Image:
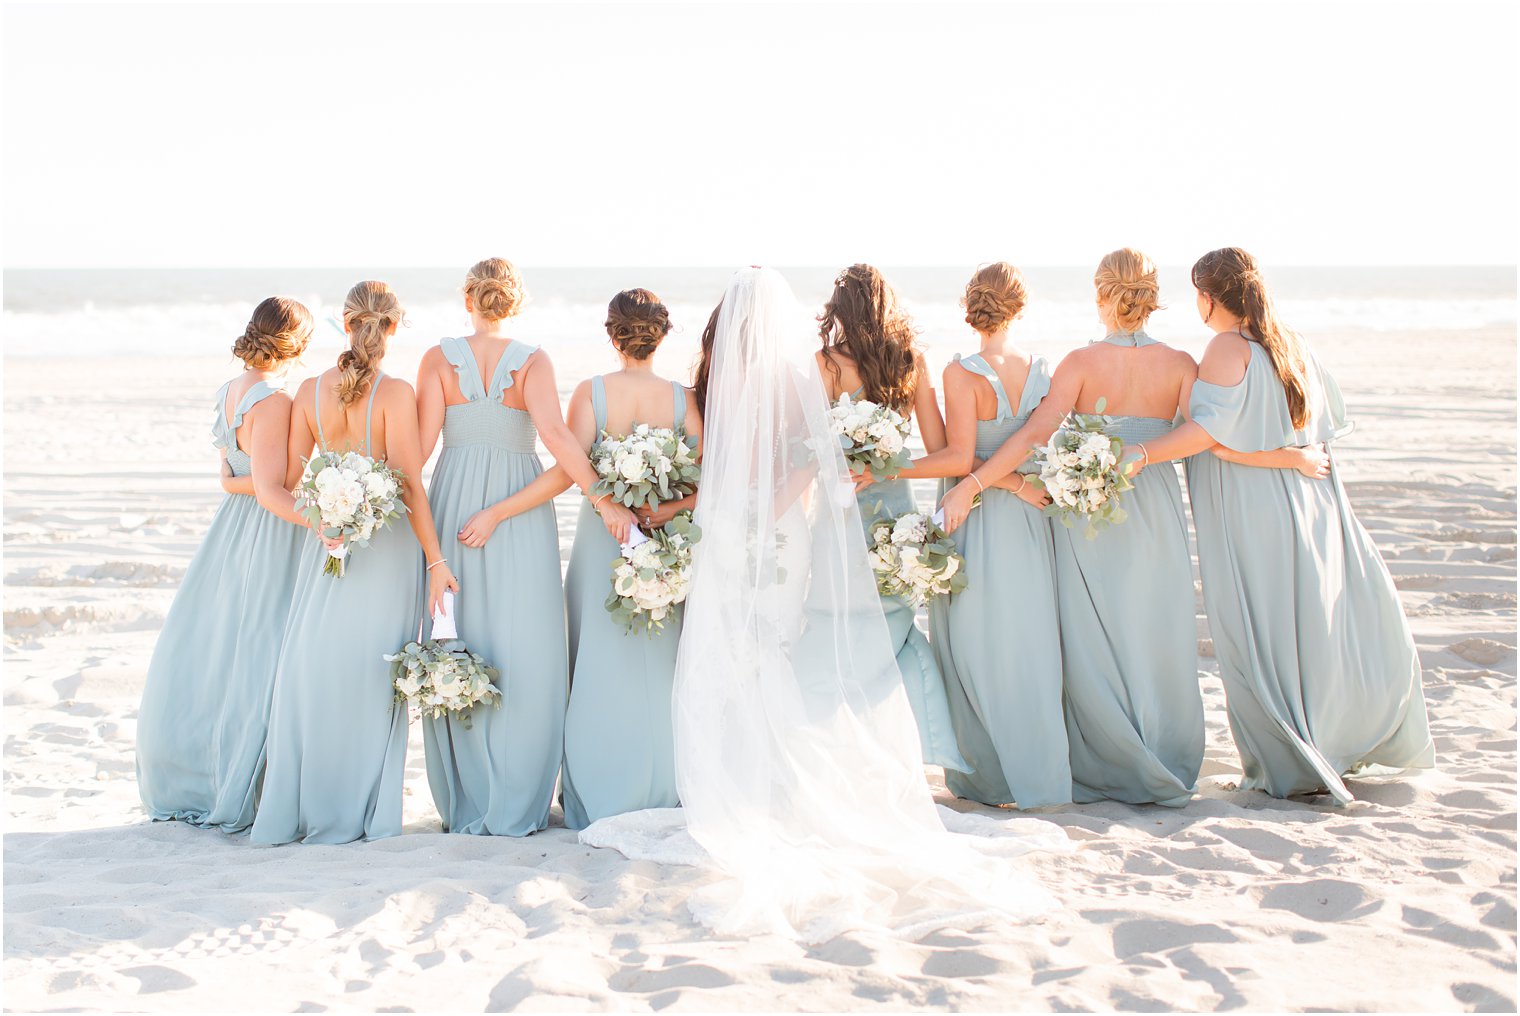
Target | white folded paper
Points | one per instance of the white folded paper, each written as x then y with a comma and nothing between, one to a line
635,537
443,619
938,518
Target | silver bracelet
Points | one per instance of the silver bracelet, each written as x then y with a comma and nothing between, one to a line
435,564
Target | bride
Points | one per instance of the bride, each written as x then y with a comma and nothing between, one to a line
797,757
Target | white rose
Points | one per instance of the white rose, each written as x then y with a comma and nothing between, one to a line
374,485
891,442
328,478
630,467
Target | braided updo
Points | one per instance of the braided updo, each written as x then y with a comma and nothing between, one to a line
994,296
1126,282
495,287
371,313
637,322
277,333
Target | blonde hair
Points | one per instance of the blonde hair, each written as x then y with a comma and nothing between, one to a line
495,288
279,330
1126,283
994,296
1229,276
370,313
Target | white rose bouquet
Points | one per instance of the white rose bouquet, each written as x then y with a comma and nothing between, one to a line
915,559
650,465
348,495
441,676
1080,469
650,577
873,437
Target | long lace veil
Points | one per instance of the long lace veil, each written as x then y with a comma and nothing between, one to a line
797,757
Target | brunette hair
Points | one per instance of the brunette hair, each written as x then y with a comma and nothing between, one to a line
1230,277
1126,283
864,321
704,360
994,296
495,287
637,322
279,330
370,313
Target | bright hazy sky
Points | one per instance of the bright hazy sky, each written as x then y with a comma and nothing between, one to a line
1309,133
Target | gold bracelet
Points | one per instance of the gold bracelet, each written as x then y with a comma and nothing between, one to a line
435,564
1025,478
1145,455
979,485
596,503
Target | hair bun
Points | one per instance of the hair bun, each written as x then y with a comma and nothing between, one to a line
637,322
995,296
1126,283
495,288
278,331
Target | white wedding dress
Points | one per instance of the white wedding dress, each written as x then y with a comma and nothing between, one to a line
797,757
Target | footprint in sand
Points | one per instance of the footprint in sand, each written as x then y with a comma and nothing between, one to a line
1483,652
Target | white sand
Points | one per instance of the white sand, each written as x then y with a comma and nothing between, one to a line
1404,900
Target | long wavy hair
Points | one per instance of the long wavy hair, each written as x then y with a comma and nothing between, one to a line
704,360
1230,277
864,321
370,313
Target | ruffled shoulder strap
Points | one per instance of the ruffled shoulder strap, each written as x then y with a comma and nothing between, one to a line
457,351
976,365
221,434
224,431
511,361
1036,385
1252,415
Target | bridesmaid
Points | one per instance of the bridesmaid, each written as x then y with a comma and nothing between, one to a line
497,776
870,351
205,707
337,741
619,743
1320,670
998,641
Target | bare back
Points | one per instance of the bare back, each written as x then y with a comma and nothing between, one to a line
1149,380
634,398
359,426
488,353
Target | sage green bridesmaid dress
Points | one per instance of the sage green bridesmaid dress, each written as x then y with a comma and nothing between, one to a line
496,776
337,740
1134,714
998,641
1320,670
205,705
619,738
921,676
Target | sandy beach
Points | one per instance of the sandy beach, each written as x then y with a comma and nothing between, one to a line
1404,900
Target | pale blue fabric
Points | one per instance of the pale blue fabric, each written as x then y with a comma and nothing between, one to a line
497,777
998,641
915,659
337,740
619,738
1134,715
1320,670
205,707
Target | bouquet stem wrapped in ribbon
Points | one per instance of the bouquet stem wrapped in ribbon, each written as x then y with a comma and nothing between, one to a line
441,676
348,495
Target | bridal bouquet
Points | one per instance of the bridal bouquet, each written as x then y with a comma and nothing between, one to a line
650,465
1081,471
873,437
349,495
440,675
651,575
915,559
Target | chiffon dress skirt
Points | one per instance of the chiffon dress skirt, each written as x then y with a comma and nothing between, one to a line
205,709
619,735
337,739
497,775
998,641
1319,667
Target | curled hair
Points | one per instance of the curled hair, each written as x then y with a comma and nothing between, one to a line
1126,282
1229,276
637,322
864,321
704,360
994,296
279,330
495,288
370,313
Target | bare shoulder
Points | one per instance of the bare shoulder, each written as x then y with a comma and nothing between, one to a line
957,376
1226,359
395,391
433,361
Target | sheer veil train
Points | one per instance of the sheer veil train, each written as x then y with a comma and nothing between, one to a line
797,758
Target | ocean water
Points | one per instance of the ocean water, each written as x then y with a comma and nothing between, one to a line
198,312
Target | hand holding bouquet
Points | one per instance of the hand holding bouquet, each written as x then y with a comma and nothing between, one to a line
348,496
873,437
650,577
650,465
913,558
1081,469
440,675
